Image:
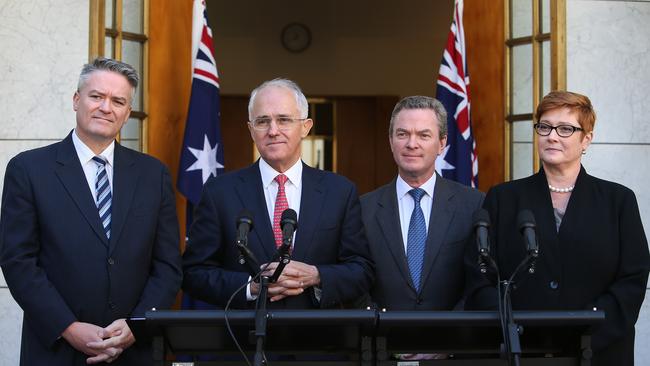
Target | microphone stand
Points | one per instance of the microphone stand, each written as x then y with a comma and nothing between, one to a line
512,343
261,314
261,317
283,256
512,346
247,258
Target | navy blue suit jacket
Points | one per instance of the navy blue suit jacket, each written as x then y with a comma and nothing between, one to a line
450,225
329,236
57,261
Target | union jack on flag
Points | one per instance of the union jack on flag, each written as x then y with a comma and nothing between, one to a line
202,151
458,161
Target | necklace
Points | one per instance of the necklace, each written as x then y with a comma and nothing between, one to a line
561,190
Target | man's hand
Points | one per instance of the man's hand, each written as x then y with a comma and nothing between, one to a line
295,278
115,339
79,334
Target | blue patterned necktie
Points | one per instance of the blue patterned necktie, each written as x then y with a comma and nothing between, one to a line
104,197
417,237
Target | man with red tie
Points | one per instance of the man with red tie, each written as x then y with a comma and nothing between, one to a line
330,265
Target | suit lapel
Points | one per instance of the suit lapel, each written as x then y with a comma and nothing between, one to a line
312,199
125,182
73,179
439,220
251,193
389,223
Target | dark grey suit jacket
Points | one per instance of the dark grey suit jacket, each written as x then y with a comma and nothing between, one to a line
449,227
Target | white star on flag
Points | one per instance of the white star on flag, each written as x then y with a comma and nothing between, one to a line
206,160
441,163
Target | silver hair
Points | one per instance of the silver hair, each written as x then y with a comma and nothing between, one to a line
421,102
301,100
108,64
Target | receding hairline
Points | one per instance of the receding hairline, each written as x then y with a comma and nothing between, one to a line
127,71
281,83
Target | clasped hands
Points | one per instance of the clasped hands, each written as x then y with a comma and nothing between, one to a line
294,279
102,344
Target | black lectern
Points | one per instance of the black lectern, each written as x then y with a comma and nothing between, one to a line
474,338
369,337
346,335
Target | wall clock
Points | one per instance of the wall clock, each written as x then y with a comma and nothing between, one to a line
296,37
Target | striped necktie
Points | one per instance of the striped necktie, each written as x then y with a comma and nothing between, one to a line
417,237
103,194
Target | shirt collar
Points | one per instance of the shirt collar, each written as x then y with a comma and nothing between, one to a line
85,154
403,188
268,173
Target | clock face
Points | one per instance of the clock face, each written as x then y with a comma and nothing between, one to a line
296,37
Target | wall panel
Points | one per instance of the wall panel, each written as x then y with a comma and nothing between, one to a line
484,37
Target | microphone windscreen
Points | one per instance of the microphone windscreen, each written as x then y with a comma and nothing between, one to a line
245,216
481,217
525,218
289,216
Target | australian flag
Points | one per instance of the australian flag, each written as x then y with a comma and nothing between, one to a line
202,152
459,161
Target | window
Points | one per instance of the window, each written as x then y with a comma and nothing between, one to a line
318,146
535,65
119,30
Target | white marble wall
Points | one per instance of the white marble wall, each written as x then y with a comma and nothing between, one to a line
608,59
44,43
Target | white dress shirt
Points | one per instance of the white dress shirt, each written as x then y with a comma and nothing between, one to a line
89,166
405,203
292,189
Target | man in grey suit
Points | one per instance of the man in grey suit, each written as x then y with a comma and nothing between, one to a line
418,224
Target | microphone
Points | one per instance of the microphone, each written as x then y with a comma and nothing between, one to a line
244,224
481,220
526,225
289,224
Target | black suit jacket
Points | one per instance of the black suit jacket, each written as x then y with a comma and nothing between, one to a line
57,261
329,236
599,258
450,225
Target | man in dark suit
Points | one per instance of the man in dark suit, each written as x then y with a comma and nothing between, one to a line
418,224
330,264
89,235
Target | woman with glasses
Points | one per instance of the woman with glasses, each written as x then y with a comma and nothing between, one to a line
593,251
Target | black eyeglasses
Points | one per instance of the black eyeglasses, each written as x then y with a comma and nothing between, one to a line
543,129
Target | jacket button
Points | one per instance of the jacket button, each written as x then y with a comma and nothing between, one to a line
419,301
553,285
111,261
112,305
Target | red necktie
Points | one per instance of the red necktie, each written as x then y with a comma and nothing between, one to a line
281,204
